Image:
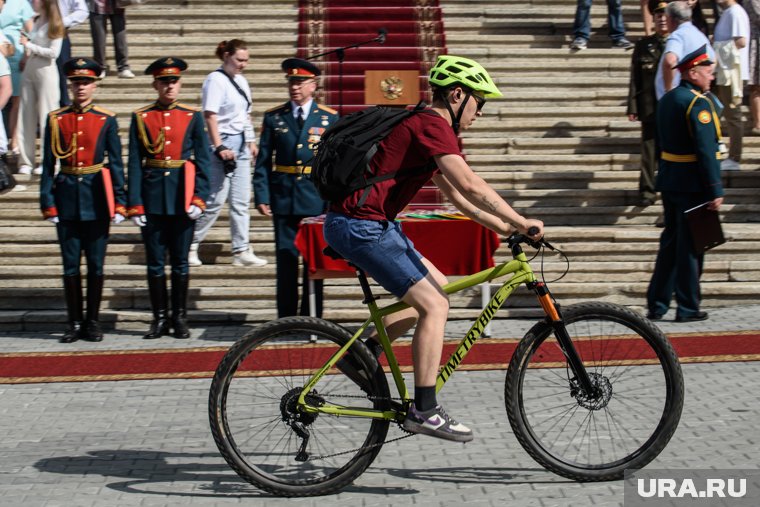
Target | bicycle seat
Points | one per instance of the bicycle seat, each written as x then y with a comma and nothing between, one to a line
328,251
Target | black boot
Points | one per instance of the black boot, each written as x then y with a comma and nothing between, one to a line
91,330
179,305
72,290
158,302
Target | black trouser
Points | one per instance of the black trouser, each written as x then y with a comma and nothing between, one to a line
649,160
64,57
287,255
90,236
678,266
172,232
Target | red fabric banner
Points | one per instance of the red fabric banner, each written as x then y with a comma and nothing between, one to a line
456,247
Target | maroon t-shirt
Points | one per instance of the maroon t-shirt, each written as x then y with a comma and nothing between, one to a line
412,144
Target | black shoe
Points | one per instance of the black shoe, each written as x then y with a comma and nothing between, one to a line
73,334
692,318
646,202
158,328
92,332
181,330
653,316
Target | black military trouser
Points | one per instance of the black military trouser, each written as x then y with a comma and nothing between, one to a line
678,266
90,236
172,232
287,255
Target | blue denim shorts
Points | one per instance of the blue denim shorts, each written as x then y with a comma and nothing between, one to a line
379,248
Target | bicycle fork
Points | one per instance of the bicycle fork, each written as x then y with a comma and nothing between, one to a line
553,312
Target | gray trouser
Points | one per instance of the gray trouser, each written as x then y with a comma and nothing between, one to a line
98,29
237,187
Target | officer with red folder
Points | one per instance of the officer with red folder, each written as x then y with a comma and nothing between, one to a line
85,195
167,190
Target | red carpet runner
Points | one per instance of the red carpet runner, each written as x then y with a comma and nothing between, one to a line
489,354
414,40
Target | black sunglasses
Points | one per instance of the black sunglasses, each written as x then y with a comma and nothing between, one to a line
480,100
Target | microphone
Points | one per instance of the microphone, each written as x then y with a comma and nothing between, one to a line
381,35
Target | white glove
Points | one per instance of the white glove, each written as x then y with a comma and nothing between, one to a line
194,212
117,218
53,220
139,220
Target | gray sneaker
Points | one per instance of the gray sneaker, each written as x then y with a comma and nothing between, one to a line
579,43
436,423
622,43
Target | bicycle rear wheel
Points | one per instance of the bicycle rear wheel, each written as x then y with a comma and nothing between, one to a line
260,431
630,418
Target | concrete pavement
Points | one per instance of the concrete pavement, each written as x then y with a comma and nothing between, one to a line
136,443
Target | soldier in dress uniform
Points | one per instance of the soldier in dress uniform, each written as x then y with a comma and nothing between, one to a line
167,190
689,175
86,193
282,187
642,99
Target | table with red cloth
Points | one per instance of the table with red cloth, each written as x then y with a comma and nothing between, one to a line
456,246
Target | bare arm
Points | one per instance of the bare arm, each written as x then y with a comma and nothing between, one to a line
476,195
213,132
668,72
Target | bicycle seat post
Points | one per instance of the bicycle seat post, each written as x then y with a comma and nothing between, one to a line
368,296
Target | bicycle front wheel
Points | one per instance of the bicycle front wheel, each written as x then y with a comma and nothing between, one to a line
259,428
625,423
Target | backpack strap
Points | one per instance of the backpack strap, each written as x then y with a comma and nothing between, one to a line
237,87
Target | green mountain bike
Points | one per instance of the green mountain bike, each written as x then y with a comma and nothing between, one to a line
591,390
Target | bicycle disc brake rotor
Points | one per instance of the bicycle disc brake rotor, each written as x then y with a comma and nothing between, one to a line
600,395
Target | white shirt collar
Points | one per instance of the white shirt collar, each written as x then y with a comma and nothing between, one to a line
306,108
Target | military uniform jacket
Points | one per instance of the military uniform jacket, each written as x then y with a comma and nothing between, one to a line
644,61
161,140
688,130
284,183
84,189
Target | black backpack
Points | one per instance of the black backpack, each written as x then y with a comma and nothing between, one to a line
341,163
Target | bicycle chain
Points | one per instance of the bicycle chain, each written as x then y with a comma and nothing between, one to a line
371,398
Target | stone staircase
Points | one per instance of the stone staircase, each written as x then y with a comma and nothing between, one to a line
558,147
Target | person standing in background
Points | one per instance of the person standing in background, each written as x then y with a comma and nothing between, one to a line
642,100
73,12
40,88
684,38
85,194
167,190
688,130
15,17
102,12
283,189
731,39
227,110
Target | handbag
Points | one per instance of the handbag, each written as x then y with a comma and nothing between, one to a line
7,181
126,3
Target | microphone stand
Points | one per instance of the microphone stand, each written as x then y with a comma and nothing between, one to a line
341,55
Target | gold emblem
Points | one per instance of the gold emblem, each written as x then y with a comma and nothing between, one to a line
81,63
704,117
169,61
392,87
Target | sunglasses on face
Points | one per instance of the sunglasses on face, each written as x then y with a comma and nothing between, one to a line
480,100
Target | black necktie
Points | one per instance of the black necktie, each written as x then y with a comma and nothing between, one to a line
299,120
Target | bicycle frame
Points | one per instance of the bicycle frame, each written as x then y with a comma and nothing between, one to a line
521,272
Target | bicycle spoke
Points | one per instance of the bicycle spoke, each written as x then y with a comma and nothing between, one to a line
615,422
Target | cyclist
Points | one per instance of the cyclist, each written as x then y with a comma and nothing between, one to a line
368,236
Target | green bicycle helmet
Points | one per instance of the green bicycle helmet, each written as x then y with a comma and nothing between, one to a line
451,70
